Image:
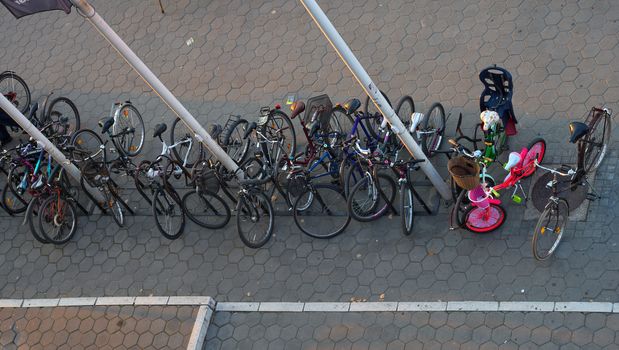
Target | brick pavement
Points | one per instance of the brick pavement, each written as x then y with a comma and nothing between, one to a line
97,327
413,330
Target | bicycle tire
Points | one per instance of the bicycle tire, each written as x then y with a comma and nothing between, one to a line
593,161
209,211
278,120
403,113
86,144
326,210
49,215
166,207
32,216
433,121
248,212
536,149
475,218
55,110
179,132
233,142
134,121
350,174
22,105
407,212
345,121
13,201
377,203
140,180
114,205
551,215
369,108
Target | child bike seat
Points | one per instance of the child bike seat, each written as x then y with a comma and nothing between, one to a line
352,105
512,161
497,95
160,129
577,131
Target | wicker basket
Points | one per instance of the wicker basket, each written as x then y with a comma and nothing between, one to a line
465,172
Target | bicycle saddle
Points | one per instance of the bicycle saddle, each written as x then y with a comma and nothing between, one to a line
297,108
106,124
352,105
577,131
513,160
160,129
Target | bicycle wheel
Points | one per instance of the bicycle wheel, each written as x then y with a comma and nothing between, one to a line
324,213
168,213
279,127
32,217
537,150
16,89
254,219
351,172
549,229
407,214
484,220
64,117
181,132
57,219
371,197
129,124
86,145
404,110
206,209
596,143
433,129
345,121
15,196
113,203
370,109
233,142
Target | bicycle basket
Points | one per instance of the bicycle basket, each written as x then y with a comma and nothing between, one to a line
465,172
206,178
297,184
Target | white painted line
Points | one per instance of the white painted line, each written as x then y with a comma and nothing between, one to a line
472,306
525,306
429,306
77,301
151,300
200,326
237,307
40,302
374,306
577,306
111,301
190,300
616,308
281,307
326,307
10,303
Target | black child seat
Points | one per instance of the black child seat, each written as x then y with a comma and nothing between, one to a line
497,96
577,131
160,129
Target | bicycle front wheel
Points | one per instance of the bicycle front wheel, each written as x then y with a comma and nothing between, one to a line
168,213
596,143
405,109
63,115
321,212
537,150
181,132
235,145
484,220
206,209
15,196
433,129
407,213
57,219
86,145
549,229
254,219
279,128
32,216
130,126
371,197
370,109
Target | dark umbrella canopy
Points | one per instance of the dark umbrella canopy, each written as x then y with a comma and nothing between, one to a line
21,8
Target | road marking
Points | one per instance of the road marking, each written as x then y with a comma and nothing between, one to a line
326,307
200,326
431,306
472,306
584,307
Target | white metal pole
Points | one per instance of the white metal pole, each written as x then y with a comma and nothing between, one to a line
342,49
49,147
87,11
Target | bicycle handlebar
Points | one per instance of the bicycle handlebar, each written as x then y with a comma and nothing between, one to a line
570,172
255,182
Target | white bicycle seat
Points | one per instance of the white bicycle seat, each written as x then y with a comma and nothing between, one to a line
514,158
416,119
489,119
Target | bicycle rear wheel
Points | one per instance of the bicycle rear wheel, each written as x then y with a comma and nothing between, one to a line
181,132
15,198
16,88
168,213
324,213
433,129
206,209
405,109
233,142
32,217
407,213
371,197
86,145
596,143
484,220
549,229
537,150
63,113
254,219
345,121
370,109
57,219
130,125
279,127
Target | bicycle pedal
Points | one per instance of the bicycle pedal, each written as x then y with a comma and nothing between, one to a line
591,196
517,199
